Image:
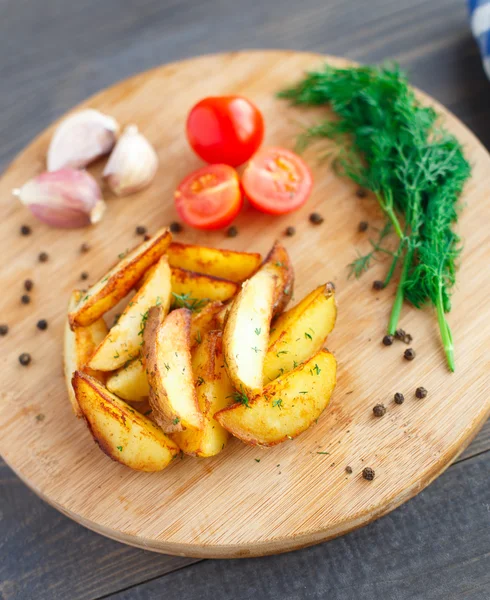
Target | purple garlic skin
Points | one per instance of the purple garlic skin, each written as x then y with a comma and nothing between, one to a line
67,198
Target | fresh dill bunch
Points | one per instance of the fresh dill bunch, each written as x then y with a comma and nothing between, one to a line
390,144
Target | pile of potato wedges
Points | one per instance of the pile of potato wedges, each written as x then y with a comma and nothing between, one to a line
203,349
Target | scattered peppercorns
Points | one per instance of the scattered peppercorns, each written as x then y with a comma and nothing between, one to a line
146,237
28,285
409,354
290,231
379,410
378,284
84,275
43,257
361,193
175,227
84,248
368,473
42,324
362,227
25,230
141,230
25,298
316,218
348,470
40,417
232,231
399,398
4,329
388,340
420,393
403,336
24,359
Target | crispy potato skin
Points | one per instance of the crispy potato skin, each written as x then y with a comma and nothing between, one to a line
246,333
121,432
204,321
214,392
300,332
166,349
130,382
123,342
283,411
79,345
279,263
227,264
203,287
119,281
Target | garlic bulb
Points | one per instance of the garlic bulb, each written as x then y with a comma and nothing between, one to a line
80,139
132,164
66,198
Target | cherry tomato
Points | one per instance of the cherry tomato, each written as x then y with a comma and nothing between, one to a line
277,181
225,129
209,198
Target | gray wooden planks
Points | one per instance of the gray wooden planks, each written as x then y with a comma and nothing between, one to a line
54,54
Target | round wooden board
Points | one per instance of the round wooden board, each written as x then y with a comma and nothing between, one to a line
233,505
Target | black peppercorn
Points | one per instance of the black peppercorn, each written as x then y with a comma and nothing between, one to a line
403,336
146,237
378,285
141,230
25,230
290,231
388,340
362,227
85,247
399,398
84,275
42,324
24,359
379,410
421,392
232,231
25,298
43,257
175,227
368,473
361,193
4,329
348,469
28,285
316,218
409,354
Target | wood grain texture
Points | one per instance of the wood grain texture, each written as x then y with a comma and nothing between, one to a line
208,508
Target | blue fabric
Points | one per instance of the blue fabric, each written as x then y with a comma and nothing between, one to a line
480,26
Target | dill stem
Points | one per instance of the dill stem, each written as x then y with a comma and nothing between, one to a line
394,262
398,303
446,335
394,219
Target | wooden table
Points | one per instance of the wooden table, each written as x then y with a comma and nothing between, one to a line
54,54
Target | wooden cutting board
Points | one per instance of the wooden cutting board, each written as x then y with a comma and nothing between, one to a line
299,493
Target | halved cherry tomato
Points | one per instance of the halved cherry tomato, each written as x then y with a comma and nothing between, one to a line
277,181
209,198
225,129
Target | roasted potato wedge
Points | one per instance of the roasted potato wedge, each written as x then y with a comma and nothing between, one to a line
130,382
286,407
79,345
123,342
300,332
121,432
204,321
200,287
279,264
119,281
167,357
246,333
227,264
214,392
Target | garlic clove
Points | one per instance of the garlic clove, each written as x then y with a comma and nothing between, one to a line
132,164
67,198
80,139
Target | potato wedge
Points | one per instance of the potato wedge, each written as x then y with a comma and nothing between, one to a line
130,382
214,392
119,281
286,407
123,342
246,333
227,264
200,287
204,321
167,354
121,432
79,345
300,332
279,264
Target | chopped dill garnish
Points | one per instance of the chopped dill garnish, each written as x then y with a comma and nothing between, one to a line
187,301
240,396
